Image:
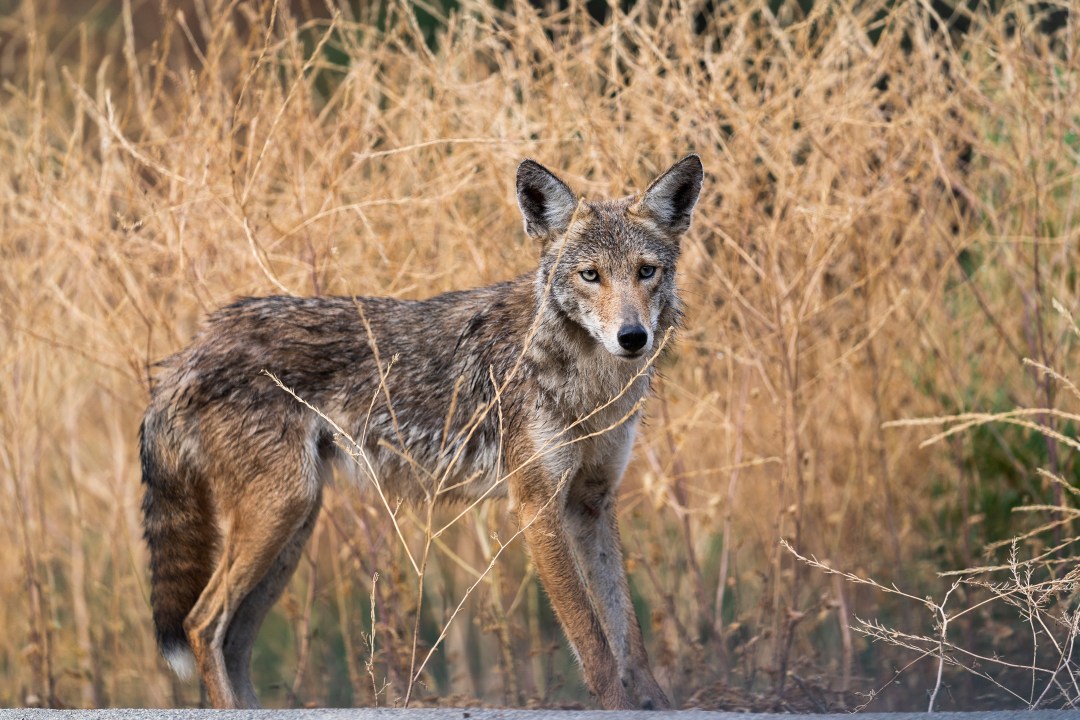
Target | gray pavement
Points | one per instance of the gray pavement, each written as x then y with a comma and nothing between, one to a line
494,714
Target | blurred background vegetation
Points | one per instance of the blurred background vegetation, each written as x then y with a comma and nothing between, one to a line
888,230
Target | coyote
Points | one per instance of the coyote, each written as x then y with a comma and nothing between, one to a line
530,389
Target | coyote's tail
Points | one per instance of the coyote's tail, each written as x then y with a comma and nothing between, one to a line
180,531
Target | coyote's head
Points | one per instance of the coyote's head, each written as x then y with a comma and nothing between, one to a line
611,263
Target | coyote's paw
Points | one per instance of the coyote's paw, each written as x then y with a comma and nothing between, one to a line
643,691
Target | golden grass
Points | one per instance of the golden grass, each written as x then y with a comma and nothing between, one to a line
890,210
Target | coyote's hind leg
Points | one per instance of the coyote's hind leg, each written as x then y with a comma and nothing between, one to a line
244,627
263,517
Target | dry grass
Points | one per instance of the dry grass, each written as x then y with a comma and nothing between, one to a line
890,211
1038,591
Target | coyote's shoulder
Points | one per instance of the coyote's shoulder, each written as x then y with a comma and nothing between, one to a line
529,388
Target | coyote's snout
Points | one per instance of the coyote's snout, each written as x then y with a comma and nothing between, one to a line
529,389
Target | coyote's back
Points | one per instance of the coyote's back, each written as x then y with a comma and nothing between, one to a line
529,388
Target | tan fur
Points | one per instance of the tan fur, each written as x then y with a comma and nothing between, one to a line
530,389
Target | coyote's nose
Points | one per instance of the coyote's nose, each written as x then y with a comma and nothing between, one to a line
632,337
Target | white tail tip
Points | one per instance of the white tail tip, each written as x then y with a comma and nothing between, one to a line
181,661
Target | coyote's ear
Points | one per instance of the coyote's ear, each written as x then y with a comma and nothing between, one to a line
546,202
670,199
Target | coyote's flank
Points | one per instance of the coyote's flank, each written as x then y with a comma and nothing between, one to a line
530,389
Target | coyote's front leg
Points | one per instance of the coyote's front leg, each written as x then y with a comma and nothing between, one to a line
542,517
592,519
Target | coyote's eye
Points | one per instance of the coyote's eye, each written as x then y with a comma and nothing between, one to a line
647,271
589,275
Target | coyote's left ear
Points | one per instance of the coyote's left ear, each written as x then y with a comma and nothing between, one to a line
671,198
546,202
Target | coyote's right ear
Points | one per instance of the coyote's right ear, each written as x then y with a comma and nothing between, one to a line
671,198
546,202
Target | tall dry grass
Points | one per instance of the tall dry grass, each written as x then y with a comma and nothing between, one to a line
890,211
